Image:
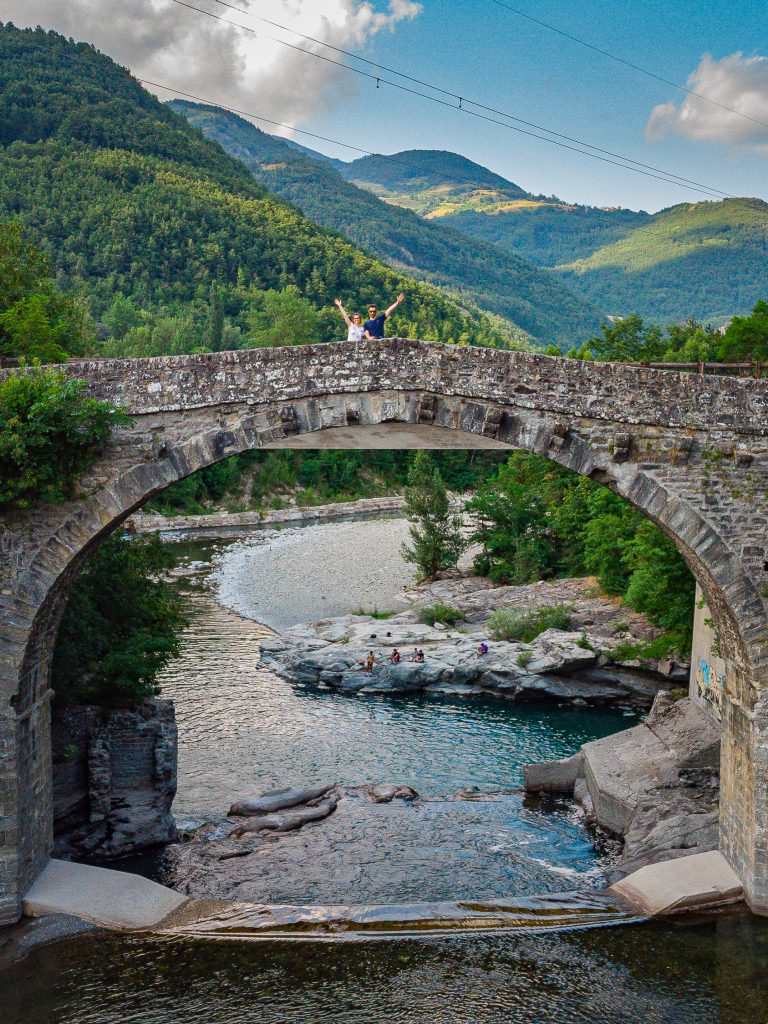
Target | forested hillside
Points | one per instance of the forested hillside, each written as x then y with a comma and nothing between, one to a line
172,243
505,284
708,260
705,260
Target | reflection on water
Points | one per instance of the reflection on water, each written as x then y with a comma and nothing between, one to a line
242,729
702,973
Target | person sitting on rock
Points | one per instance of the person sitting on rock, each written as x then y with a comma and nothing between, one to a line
420,656
414,656
482,648
395,656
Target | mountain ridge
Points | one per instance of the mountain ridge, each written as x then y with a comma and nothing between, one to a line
706,259
133,205
505,284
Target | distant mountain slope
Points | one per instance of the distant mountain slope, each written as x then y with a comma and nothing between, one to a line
128,199
534,300
706,260
544,231
709,260
429,178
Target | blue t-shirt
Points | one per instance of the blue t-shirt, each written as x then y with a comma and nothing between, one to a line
375,327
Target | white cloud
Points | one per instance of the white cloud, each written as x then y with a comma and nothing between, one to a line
173,45
737,82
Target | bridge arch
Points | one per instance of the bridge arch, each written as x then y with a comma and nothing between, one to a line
670,445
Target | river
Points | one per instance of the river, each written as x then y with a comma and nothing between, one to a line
242,729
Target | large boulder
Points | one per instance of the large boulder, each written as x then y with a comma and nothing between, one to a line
287,820
558,664
277,800
656,785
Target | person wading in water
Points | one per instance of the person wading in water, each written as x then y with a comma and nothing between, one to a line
374,325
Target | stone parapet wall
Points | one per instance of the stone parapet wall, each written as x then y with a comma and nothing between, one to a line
114,779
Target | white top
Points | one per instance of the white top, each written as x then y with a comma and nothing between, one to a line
355,332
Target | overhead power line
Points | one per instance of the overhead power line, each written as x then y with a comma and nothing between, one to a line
598,153
628,64
224,106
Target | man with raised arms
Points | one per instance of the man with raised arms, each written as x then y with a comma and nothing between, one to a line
374,325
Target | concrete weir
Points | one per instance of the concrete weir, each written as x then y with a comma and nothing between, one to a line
112,899
703,881
120,901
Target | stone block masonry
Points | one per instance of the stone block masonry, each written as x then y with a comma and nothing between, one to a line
689,451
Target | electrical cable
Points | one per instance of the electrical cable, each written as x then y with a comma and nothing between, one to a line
258,117
668,176
629,64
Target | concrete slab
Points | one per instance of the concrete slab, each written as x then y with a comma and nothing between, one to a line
701,881
113,899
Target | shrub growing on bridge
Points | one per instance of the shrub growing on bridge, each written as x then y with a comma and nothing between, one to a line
50,433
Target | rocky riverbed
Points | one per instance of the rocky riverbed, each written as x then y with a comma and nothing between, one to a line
386,844
655,786
576,664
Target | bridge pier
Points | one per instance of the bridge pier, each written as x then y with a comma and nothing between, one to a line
689,451
744,796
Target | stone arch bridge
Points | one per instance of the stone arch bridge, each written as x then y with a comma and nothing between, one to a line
689,451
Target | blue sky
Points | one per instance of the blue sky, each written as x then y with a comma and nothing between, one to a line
476,47
473,47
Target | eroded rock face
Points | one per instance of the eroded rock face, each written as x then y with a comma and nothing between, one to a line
114,779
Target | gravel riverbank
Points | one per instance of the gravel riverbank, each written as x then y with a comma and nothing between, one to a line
282,578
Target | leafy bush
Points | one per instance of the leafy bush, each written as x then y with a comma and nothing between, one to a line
524,658
585,643
516,624
429,614
122,624
668,645
50,434
36,320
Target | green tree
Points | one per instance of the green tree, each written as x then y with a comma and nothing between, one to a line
282,317
215,319
536,520
511,525
435,531
629,340
36,320
122,624
747,336
50,434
